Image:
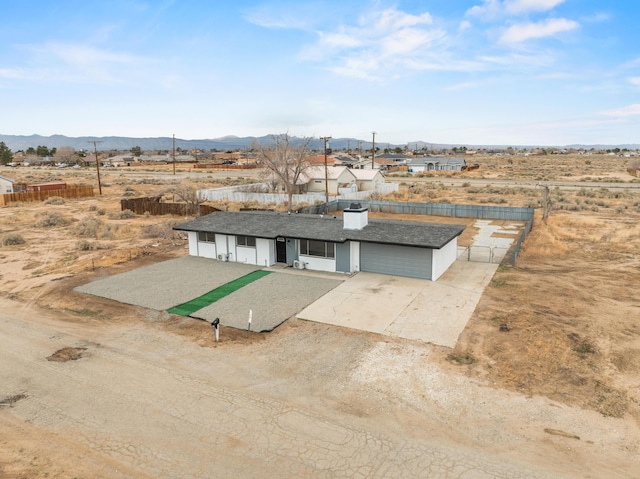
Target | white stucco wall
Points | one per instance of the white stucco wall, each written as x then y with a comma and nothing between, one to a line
245,254
265,252
443,258
221,244
193,243
319,264
206,250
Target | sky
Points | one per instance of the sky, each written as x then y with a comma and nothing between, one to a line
485,72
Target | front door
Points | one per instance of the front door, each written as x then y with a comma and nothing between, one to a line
281,250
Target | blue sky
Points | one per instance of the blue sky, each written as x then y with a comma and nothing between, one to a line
513,72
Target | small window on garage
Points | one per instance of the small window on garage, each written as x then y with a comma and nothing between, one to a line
321,249
206,237
249,241
317,182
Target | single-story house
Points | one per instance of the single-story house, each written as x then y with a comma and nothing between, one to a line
337,177
368,180
6,185
325,242
436,163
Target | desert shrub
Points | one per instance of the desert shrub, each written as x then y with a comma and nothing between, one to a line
123,215
107,232
620,209
128,191
88,226
466,184
50,220
84,245
101,211
93,207
157,231
497,199
54,200
12,239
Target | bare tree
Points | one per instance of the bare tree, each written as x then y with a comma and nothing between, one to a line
283,163
189,195
65,154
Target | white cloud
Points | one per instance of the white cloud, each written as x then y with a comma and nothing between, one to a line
11,73
493,9
82,55
521,32
388,41
625,111
634,81
522,6
464,25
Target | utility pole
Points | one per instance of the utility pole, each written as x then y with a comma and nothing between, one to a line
326,170
174,154
373,149
95,150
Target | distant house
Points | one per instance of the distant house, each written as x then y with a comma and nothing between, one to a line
6,185
395,158
367,180
326,243
337,177
436,163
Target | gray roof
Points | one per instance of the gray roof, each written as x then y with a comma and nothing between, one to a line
324,228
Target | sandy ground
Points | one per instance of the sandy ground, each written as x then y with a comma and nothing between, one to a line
152,395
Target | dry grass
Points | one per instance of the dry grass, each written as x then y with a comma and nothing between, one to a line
571,308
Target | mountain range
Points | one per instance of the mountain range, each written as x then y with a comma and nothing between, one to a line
20,142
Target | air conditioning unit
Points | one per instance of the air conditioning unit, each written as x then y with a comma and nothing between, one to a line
223,257
298,264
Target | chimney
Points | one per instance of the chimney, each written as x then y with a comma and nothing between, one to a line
356,217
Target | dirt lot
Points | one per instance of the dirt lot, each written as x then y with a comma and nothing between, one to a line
570,308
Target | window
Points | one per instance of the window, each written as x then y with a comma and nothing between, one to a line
206,237
317,182
246,241
322,249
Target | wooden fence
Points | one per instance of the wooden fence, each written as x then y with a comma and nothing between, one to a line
153,206
71,191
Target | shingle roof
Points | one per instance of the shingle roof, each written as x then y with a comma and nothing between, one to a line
324,228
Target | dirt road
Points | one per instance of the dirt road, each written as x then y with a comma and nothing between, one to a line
308,401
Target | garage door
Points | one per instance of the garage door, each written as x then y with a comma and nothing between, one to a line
396,260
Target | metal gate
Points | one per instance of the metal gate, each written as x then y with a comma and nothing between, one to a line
395,260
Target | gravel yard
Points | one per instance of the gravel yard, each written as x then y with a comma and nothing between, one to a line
273,299
167,284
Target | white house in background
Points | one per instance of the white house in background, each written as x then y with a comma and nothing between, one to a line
368,180
6,185
337,177
326,243
435,163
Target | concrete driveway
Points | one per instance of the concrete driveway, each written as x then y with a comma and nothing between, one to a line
431,311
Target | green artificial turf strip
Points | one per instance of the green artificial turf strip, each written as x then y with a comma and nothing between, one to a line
185,309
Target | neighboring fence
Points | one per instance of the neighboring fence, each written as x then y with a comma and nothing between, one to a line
248,166
252,192
445,209
153,206
71,191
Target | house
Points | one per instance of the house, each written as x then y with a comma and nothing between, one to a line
368,180
436,163
6,185
326,243
336,177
